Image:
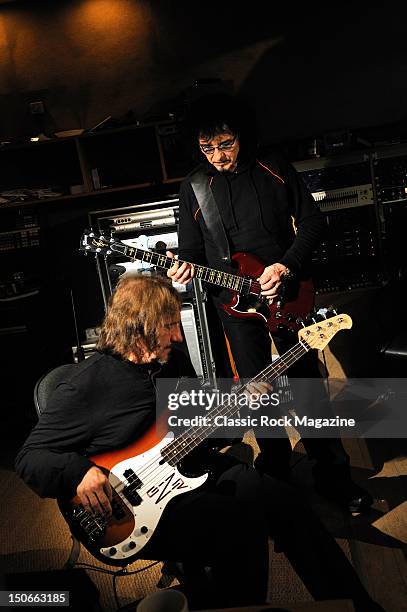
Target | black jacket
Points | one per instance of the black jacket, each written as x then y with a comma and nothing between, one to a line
266,209
105,405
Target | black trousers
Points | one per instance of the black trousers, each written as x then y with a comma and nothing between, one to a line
226,525
251,348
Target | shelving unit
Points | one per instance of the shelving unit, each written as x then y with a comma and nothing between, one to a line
107,161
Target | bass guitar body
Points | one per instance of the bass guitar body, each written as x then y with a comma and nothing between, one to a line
143,483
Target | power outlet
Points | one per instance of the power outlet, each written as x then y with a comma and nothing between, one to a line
37,108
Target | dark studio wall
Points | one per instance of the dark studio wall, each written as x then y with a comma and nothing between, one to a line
308,67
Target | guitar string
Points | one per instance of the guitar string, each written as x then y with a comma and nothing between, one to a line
263,376
288,359
150,476
246,283
146,474
251,285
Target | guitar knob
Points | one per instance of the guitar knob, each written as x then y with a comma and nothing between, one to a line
132,545
112,551
143,529
281,327
278,314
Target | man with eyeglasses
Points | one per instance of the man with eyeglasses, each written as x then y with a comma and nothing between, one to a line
265,210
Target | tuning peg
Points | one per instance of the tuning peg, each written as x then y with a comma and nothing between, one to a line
322,312
300,321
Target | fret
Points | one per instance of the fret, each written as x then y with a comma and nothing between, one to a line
211,275
182,446
199,271
219,277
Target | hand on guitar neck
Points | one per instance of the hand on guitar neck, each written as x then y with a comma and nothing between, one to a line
270,280
255,291
180,273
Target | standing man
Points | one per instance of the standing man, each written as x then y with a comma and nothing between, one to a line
109,401
265,210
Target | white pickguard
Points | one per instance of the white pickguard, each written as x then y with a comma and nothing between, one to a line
161,483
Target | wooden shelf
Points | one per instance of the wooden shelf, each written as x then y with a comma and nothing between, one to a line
124,158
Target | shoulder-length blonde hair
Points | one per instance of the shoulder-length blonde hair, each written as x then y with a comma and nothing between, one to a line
137,308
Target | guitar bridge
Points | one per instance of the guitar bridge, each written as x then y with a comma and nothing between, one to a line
93,526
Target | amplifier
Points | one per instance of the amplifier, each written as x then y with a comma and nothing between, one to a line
20,239
143,220
391,179
196,333
347,197
153,226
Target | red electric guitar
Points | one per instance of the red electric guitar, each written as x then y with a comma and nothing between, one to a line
296,299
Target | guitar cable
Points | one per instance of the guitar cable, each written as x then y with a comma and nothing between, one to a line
116,574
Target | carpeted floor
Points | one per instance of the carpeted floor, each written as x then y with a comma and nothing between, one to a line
35,538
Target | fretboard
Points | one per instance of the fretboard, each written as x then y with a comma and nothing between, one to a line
227,280
179,448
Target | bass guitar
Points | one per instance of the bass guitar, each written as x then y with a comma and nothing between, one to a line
295,301
146,475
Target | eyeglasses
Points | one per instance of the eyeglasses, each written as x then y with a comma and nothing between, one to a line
227,145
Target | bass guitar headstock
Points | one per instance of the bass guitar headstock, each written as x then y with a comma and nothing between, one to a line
326,325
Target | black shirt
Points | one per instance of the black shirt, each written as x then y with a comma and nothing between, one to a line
104,405
266,210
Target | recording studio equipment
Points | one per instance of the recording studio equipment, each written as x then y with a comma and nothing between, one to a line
347,197
20,230
145,220
349,256
152,226
390,170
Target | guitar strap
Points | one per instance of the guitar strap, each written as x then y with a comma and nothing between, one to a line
210,213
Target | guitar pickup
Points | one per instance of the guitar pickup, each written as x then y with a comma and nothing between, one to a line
132,478
130,490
